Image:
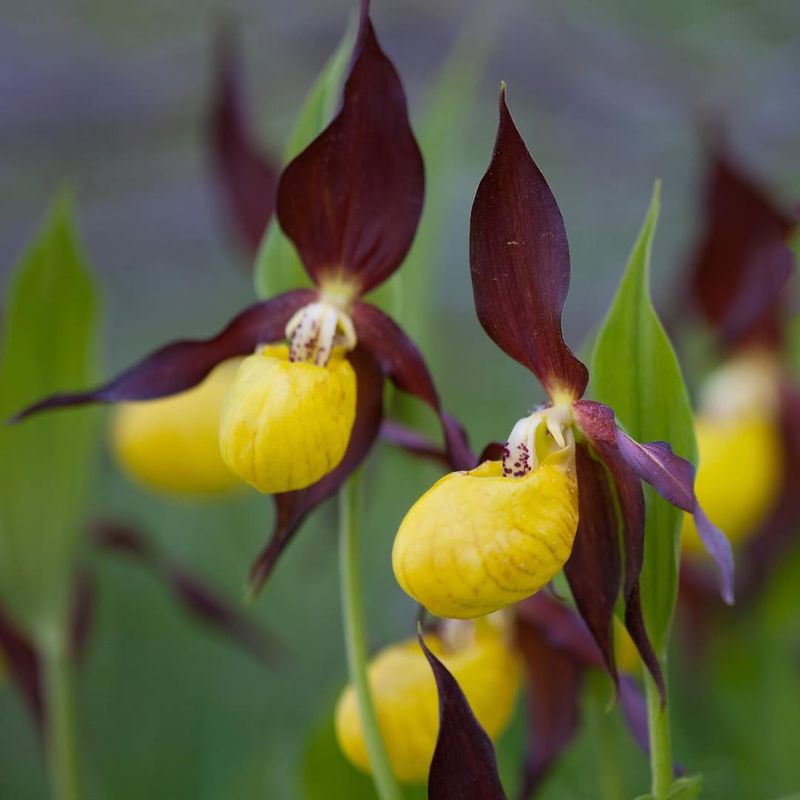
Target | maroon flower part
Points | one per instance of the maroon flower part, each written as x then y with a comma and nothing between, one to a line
741,263
519,262
350,203
246,179
739,280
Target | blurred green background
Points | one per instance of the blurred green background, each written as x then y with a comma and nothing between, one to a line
112,97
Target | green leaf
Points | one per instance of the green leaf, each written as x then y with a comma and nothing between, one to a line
636,372
47,346
278,267
688,788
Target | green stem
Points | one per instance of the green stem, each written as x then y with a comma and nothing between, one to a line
599,724
62,741
355,639
660,745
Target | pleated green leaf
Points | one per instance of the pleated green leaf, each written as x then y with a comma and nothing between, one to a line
48,345
636,372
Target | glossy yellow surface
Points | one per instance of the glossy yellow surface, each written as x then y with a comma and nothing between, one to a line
406,704
738,477
478,541
172,444
625,652
284,425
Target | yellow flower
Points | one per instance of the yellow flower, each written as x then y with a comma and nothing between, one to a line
286,424
481,540
739,474
172,444
404,693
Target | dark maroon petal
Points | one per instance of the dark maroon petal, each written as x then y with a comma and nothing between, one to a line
23,666
630,497
405,438
597,421
193,593
492,452
464,766
519,260
741,262
560,627
594,569
673,478
554,680
293,507
181,365
246,180
352,199
404,365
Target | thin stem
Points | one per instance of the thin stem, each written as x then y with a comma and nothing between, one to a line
660,744
62,741
355,639
599,723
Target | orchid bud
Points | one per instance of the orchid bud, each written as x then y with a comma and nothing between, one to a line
285,424
480,657
481,540
172,444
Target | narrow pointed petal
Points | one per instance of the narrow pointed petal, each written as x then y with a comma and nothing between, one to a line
464,766
193,593
634,711
405,438
181,365
84,604
594,570
246,179
352,199
293,507
630,498
554,684
741,263
673,478
519,260
405,366
23,667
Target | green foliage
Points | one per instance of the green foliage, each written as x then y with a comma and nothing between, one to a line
636,372
47,346
688,788
278,267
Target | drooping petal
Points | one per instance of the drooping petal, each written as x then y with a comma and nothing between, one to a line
630,498
404,365
23,666
411,441
352,199
464,766
556,649
194,594
181,365
246,180
519,260
634,711
741,262
673,478
594,569
293,507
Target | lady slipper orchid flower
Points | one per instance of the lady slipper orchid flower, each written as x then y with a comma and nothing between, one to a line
300,417
483,539
747,434
481,658
172,444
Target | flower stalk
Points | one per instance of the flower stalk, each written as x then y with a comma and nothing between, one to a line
62,738
355,638
659,735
